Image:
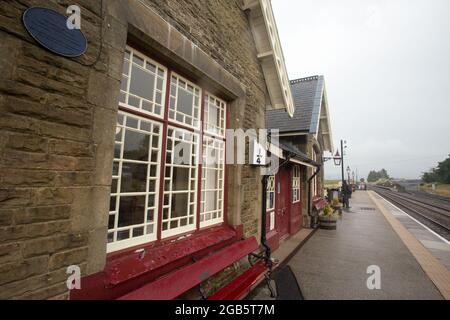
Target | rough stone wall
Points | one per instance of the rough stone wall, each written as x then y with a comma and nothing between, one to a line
57,126
221,29
56,138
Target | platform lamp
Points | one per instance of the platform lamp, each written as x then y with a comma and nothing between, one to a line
337,159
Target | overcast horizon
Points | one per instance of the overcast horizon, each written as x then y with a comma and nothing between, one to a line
386,67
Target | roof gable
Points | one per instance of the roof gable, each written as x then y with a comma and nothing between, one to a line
307,94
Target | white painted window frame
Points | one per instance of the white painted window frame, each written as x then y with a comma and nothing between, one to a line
207,217
217,134
296,197
125,94
196,108
270,189
170,232
211,129
134,241
315,186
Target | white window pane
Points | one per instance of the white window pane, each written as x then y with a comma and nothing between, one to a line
133,193
214,115
136,146
180,179
142,83
134,177
184,102
132,211
180,182
179,205
212,184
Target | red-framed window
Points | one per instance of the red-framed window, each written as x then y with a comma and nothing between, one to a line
169,160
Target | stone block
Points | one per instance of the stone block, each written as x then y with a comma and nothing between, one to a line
67,258
20,270
81,214
53,244
26,178
73,179
103,91
10,252
18,288
31,231
97,250
41,214
46,293
28,143
6,216
8,50
100,207
48,113
10,197
71,148
51,196
115,33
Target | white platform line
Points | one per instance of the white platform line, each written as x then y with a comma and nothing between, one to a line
420,223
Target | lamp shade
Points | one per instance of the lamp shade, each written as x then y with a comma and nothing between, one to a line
337,159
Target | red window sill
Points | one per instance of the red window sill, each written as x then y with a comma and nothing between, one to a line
130,269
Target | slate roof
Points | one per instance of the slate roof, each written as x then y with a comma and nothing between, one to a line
307,94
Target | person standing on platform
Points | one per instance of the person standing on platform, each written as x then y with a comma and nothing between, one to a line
346,193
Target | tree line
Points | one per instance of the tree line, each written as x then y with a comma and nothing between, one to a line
377,175
440,174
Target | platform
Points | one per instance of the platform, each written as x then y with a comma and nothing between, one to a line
333,264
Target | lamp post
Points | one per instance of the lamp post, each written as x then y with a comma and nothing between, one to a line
342,161
348,173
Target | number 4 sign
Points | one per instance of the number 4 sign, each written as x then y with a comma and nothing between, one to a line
257,154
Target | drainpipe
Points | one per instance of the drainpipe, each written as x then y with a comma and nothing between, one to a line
309,193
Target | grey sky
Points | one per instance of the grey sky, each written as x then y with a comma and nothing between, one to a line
386,66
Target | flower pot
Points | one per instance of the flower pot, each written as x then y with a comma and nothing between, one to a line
337,208
328,222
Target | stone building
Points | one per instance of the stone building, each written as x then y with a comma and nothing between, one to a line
86,171
308,132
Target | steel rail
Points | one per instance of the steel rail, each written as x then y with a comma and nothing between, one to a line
444,211
406,204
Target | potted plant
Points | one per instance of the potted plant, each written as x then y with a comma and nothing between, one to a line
328,219
336,205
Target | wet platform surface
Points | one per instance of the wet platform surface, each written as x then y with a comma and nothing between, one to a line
333,264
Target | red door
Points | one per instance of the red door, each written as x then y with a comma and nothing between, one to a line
283,201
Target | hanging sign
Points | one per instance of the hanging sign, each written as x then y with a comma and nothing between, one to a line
258,154
49,28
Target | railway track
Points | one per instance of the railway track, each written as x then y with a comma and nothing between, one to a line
432,213
426,195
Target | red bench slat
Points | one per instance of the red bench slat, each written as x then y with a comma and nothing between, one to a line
178,282
241,286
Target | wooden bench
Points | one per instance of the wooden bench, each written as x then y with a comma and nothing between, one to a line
174,284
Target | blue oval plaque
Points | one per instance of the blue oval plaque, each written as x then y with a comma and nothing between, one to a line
49,28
